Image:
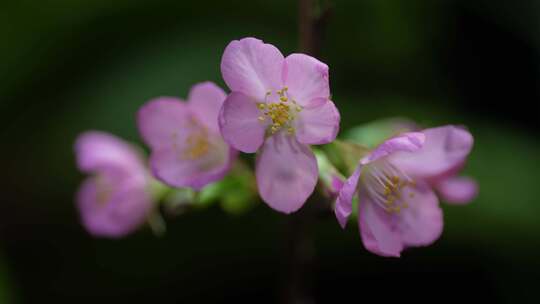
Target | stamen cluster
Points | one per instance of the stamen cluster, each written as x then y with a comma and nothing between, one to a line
197,145
281,114
385,185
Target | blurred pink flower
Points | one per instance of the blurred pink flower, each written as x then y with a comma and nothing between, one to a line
187,147
279,106
115,200
398,207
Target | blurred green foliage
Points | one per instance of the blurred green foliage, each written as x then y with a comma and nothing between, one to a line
6,287
236,193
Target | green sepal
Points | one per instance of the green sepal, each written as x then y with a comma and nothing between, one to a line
236,193
345,155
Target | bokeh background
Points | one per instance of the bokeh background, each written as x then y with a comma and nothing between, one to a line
71,65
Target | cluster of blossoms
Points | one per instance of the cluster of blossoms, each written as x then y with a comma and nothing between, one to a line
278,107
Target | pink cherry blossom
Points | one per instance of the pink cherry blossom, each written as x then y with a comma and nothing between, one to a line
187,147
278,106
114,201
398,207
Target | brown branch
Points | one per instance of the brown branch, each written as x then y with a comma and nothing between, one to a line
311,25
300,243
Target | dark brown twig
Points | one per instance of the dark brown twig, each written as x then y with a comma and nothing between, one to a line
300,243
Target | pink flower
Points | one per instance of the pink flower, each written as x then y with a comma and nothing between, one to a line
187,148
398,207
115,200
279,106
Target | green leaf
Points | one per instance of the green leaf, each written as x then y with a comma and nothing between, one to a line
345,155
374,133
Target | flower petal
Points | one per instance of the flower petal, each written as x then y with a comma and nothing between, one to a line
205,100
457,190
122,213
318,124
239,124
406,143
343,206
336,184
445,149
421,223
162,120
306,78
252,67
99,150
378,229
286,173
174,167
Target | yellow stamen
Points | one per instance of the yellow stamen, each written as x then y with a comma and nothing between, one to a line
282,113
197,143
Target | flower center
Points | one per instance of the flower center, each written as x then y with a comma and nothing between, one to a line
279,114
196,143
104,189
384,184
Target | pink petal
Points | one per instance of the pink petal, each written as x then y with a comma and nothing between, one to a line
405,143
445,149
337,183
378,229
421,223
457,190
174,167
316,125
121,214
205,101
286,173
343,206
239,124
163,120
252,67
98,150
306,78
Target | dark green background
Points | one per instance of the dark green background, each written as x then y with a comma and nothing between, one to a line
71,65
